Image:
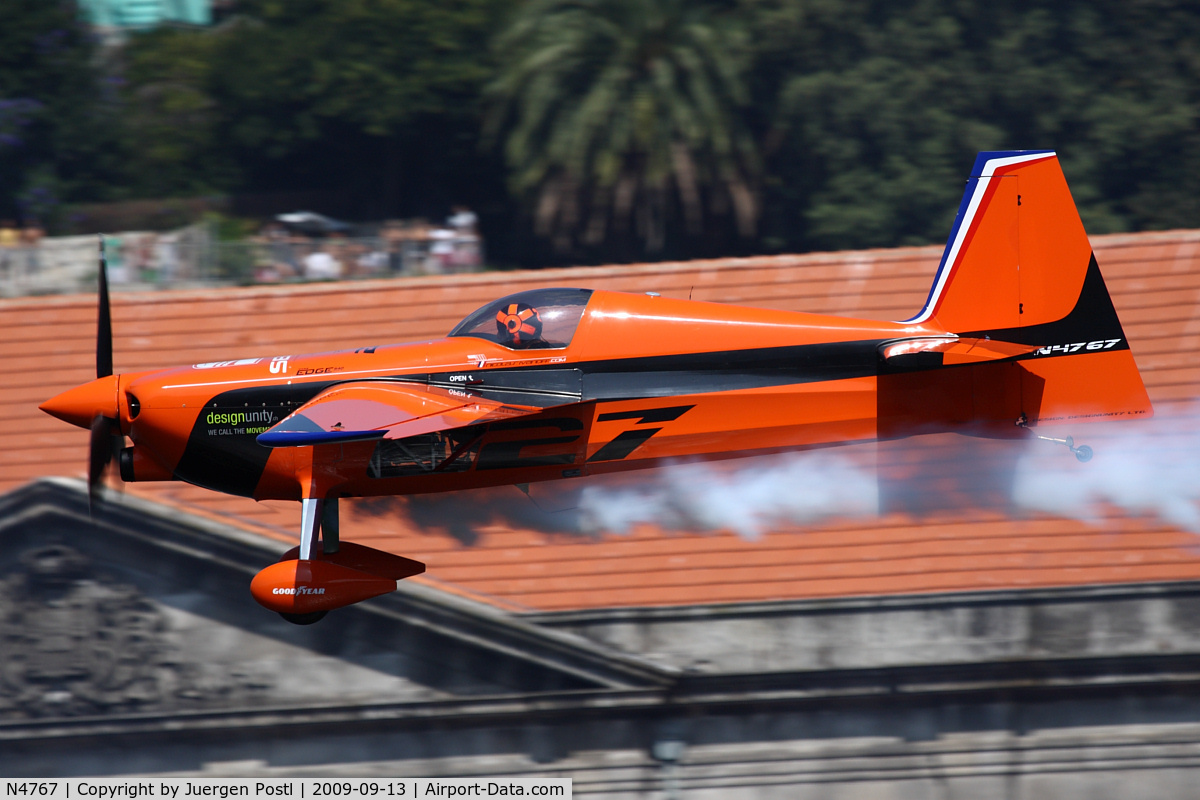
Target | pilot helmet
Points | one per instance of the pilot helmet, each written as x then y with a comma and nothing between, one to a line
518,325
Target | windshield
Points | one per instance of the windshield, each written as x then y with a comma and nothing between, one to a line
540,318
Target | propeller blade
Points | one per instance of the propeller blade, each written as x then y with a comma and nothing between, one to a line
103,446
105,440
104,338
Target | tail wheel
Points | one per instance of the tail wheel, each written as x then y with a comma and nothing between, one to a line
304,619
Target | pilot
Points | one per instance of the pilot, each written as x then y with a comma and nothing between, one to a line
518,325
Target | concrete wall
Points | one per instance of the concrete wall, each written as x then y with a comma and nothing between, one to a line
130,647
969,627
629,746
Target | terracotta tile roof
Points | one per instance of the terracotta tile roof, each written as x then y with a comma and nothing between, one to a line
975,541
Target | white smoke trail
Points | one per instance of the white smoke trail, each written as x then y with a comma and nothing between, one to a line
1144,467
748,498
1148,467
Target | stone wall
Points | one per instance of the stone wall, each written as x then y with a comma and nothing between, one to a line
969,627
131,648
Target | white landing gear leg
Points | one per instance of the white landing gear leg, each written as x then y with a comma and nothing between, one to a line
311,512
311,509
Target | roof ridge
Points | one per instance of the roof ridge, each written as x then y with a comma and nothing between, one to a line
424,606
886,255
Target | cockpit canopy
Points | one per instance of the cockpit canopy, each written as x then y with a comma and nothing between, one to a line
537,319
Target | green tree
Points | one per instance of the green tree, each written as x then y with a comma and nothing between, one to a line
623,120
882,106
375,102
172,114
624,128
58,118
378,97
1115,87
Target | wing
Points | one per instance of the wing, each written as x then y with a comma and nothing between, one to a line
366,410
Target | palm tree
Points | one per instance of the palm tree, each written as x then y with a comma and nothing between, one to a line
617,115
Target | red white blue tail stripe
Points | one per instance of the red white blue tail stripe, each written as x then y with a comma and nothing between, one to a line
988,165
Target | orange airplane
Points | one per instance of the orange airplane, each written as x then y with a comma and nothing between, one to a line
554,384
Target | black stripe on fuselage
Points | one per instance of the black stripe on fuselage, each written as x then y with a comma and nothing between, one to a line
649,415
695,373
624,444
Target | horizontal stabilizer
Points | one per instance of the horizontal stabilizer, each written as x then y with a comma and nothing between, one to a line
368,410
952,349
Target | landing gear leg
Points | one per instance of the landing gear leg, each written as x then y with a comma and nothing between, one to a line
329,526
322,573
312,510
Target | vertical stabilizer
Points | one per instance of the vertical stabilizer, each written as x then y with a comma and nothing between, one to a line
1019,268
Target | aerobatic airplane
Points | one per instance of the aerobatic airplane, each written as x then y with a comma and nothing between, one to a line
551,384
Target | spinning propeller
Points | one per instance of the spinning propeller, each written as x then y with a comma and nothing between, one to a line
106,440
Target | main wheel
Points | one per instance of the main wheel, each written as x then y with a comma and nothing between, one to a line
304,619
1083,453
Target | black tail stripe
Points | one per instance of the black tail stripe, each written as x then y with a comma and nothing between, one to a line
1092,318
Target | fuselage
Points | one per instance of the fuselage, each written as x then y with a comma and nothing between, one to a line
642,379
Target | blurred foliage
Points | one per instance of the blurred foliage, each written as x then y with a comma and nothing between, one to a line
623,118
172,112
883,105
377,99
58,112
600,130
